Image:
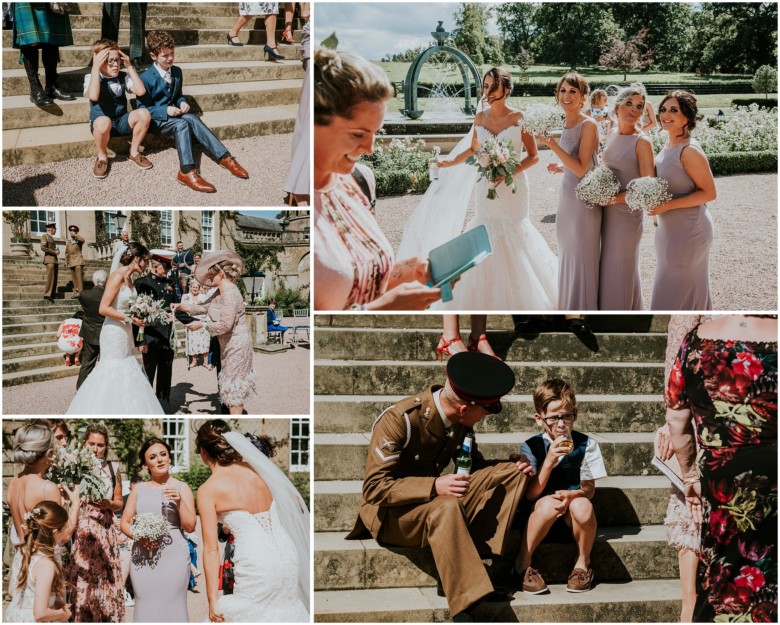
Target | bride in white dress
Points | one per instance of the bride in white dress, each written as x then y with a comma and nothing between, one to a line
118,384
522,272
269,521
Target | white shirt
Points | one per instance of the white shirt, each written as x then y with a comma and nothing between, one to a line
115,85
440,410
165,74
592,467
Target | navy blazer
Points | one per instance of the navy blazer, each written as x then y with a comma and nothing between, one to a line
158,96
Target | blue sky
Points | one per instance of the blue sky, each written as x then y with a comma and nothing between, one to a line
373,29
268,214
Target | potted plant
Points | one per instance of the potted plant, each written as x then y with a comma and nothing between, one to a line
20,232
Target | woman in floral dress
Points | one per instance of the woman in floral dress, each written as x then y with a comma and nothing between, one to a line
95,583
198,341
725,377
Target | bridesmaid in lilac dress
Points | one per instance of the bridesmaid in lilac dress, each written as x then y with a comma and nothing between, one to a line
577,226
685,228
629,154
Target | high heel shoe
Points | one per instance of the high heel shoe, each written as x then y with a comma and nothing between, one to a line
287,36
474,345
272,53
444,346
232,40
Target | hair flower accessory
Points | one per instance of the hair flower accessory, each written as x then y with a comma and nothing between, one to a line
35,512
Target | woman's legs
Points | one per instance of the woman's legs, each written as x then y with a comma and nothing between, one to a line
289,12
450,342
478,331
240,23
270,30
688,561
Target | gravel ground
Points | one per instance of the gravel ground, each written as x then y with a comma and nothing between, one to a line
744,253
71,183
282,379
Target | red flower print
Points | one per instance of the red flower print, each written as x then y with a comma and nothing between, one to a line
750,576
734,599
722,490
675,387
765,612
722,526
755,552
747,365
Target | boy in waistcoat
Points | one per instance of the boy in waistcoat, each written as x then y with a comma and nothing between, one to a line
106,86
562,486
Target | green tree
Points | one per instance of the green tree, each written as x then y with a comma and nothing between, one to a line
523,59
517,25
470,32
627,56
765,80
573,33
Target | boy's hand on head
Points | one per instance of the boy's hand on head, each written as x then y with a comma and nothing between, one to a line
174,111
125,61
99,58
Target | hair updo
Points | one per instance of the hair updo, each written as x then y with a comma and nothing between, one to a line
41,522
230,269
501,79
688,107
342,80
211,439
625,94
134,250
32,442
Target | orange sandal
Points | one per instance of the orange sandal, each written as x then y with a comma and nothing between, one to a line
444,346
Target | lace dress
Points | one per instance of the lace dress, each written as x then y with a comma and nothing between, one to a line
117,384
522,271
731,389
266,571
20,610
228,314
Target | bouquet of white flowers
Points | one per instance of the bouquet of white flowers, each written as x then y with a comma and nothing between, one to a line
148,310
598,187
77,464
149,526
647,192
496,158
542,119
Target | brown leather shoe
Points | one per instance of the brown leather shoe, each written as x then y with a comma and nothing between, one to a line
100,168
231,164
580,580
194,181
140,160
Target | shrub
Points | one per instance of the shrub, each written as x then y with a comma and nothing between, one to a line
765,80
746,129
400,165
302,483
195,475
767,102
287,299
730,163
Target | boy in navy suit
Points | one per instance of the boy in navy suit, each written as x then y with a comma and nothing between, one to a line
106,87
170,114
566,466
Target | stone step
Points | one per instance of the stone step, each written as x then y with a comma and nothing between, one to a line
619,554
30,349
29,328
223,9
71,78
599,323
597,413
46,317
40,375
387,377
79,55
32,306
19,112
181,37
343,456
27,289
22,339
31,146
619,501
632,602
46,308
177,19
396,344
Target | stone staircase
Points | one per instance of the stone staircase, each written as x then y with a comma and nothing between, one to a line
362,364
237,93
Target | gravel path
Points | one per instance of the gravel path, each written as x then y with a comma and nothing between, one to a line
744,254
282,379
71,183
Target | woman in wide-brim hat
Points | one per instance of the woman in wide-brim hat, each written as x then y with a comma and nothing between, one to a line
227,321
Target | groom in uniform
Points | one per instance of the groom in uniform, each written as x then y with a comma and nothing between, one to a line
408,502
158,344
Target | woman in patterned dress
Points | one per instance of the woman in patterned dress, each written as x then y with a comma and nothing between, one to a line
198,341
354,263
725,377
95,588
268,11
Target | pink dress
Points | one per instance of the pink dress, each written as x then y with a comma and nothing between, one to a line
352,256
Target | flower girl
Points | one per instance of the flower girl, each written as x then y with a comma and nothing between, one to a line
40,586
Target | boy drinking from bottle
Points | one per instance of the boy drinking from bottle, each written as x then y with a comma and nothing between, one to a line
566,466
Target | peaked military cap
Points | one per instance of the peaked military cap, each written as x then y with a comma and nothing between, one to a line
478,378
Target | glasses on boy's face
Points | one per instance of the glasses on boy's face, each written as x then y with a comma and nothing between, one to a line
112,61
566,418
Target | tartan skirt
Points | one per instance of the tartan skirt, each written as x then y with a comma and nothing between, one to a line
35,22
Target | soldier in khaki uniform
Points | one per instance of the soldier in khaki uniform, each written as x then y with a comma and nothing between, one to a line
408,502
74,259
50,256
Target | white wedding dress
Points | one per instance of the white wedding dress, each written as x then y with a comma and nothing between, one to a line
266,571
117,384
522,271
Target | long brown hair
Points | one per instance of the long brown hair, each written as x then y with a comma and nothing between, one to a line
41,521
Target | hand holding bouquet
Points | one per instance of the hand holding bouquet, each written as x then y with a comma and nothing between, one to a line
496,160
149,529
541,119
148,310
77,464
599,187
646,193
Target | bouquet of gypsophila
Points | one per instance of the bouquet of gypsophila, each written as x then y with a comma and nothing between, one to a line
149,526
598,187
148,310
542,119
495,159
647,192
77,464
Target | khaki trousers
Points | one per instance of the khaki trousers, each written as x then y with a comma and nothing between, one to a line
461,530
51,279
77,277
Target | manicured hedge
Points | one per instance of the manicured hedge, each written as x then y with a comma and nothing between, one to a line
397,182
729,163
762,102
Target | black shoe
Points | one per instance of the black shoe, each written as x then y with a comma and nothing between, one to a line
578,326
55,93
272,53
39,98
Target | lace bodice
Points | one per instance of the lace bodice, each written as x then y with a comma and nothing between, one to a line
122,299
266,570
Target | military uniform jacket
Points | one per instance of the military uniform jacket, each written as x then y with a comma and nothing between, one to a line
159,289
73,255
49,249
409,449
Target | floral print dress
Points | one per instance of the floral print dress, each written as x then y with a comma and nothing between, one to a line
731,389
